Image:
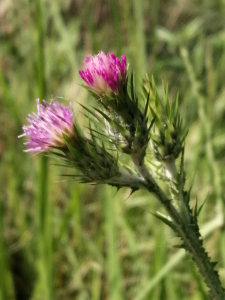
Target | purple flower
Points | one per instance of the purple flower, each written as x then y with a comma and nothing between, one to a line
104,72
47,126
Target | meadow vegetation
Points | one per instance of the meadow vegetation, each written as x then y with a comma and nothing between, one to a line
60,239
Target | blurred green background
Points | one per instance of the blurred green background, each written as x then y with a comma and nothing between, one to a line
63,240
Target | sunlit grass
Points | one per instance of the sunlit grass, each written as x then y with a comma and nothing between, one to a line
63,240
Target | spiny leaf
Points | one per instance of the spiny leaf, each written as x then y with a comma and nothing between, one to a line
132,86
146,106
165,220
177,104
196,210
92,112
214,263
180,246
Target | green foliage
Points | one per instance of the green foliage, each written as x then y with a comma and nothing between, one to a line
89,243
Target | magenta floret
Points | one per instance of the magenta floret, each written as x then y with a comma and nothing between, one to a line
47,126
104,72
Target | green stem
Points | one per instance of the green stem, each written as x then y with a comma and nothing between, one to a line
206,230
4,273
43,203
139,34
193,244
152,186
116,22
189,233
114,276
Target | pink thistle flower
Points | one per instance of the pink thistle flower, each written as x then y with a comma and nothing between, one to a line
47,126
104,72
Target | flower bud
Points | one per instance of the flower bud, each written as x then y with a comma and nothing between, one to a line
167,134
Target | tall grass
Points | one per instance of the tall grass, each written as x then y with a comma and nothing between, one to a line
63,240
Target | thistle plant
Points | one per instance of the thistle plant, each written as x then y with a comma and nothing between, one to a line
139,126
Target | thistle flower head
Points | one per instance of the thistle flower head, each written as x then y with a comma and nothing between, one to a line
47,127
104,72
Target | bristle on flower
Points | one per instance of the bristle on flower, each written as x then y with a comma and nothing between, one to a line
47,127
104,72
